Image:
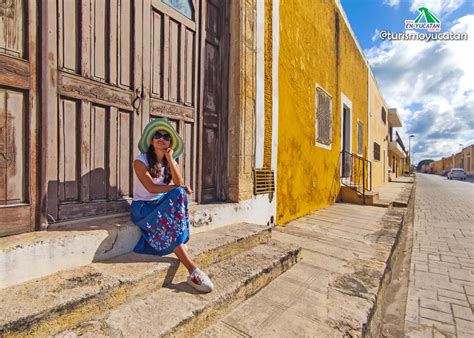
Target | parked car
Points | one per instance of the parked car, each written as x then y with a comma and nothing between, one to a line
457,173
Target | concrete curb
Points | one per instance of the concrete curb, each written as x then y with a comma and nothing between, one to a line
373,328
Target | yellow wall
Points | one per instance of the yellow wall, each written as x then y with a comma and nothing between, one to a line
378,133
308,176
437,166
353,78
399,165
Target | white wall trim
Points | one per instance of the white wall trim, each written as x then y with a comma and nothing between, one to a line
275,63
275,106
369,116
346,102
260,86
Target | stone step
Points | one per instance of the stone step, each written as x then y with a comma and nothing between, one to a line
70,296
123,234
80,242
178,310
349,195
382,204
37,254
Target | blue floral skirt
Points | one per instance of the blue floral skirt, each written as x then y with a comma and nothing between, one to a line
164,223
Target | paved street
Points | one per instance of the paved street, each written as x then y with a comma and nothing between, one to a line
441,287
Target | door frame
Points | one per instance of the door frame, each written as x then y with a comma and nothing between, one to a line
345,102
222,156
22,75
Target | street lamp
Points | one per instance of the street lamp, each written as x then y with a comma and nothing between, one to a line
409,150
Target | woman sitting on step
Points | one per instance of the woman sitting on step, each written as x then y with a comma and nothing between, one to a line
160,209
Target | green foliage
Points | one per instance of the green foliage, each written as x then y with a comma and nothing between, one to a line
422,163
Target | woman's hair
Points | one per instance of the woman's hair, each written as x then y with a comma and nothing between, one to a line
155,167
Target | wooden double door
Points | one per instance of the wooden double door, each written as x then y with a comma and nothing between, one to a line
107,67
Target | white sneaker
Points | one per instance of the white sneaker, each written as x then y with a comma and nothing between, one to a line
200,281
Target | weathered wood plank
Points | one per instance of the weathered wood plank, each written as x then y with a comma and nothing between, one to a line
189,68
113,157
49,110
76,210
68,35
139,68
86,150
100,93
14,220
68,148
113,37
166,58
97,174
16,176
182,62
189,157
174,55
34,159
176,111
12,32
126,23
99,18
222,192
124,153
147,76
200,57
4,158
196,102
86,38
157,65
14,73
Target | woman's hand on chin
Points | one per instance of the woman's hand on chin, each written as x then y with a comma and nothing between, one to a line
169,154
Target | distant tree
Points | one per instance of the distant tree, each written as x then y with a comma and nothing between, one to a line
422,163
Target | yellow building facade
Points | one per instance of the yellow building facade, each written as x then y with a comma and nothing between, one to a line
397,154
378,131
467,159
323,79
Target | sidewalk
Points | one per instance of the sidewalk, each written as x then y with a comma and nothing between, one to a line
396,191
262,287
332,292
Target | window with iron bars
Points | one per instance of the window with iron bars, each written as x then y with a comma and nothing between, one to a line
323,118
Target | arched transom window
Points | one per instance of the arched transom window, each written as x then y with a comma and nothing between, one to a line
185,7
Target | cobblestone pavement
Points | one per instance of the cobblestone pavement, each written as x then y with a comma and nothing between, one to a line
441,286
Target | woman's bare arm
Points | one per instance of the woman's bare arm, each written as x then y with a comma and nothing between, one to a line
146,179
175,172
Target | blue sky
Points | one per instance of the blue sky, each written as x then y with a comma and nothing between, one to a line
431,83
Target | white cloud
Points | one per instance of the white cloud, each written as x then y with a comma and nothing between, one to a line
376,35
431,84
440,8
392,3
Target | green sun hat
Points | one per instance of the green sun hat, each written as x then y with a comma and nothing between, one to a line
161,124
